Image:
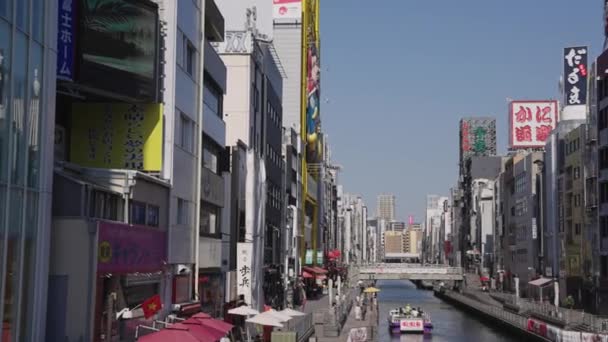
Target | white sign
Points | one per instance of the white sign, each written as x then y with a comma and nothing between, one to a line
411,325
531,123
244,252
357,335
534,228
287,9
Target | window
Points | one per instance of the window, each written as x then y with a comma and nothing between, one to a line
153,215
186,140
212,99
182,211
577,172
138,213
210,219
577,229
190,55
577,200
180,48
210,156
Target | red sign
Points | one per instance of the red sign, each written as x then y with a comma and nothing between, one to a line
539,328
531,123
411,324
466,145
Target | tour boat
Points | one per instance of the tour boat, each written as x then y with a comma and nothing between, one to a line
415,322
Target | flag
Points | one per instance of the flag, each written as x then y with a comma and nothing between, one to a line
151,306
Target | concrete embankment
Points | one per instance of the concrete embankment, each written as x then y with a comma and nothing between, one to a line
495,315
533,329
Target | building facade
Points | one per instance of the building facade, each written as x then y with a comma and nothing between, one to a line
386,207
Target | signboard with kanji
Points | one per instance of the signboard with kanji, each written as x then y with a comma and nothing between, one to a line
531,123
411,325
244,254
575,75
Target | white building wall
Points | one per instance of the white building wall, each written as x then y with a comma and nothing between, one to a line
237,102
288,43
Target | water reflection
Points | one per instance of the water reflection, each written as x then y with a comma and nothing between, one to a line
450,323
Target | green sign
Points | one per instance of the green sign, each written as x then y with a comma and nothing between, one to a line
308,257
319,258
479,144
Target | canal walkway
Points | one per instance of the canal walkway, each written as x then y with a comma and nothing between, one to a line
336,324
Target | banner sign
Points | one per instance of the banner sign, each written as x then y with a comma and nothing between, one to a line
411,325
287,9
575,75
117,136
127,249
65,39
244,254
531,123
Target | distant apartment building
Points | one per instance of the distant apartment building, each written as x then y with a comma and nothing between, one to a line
386,207
412,239
397,226
393,242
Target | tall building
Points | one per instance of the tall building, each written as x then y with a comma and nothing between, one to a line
386,207
602,159
27,114
393,243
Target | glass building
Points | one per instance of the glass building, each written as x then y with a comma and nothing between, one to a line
27,92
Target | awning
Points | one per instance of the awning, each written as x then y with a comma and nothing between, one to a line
483,278
171,334
540,282
200,332
315,269
307,275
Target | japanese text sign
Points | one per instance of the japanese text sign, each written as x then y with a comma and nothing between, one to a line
126,249
531,123
287,9
65,39
575,75
411,325
244,256
117,136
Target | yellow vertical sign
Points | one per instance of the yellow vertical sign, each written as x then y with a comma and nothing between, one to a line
117,136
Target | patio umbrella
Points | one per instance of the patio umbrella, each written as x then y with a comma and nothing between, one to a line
196,327
243,311
371,290
215,324
172,334
266,320
199,332
277,315
201,315
292,312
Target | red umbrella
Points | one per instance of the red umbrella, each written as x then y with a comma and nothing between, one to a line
214,324
197,325
200,333
201,315
171,334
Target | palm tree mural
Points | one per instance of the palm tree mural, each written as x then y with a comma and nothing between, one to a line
119,34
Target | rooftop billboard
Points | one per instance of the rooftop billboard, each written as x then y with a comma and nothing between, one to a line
531,123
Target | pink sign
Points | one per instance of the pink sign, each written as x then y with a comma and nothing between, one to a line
128,249
531,123
411,325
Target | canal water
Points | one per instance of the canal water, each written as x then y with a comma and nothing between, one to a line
450,323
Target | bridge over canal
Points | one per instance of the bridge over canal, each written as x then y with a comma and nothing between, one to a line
393,271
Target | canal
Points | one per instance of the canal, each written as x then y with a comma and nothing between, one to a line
451,324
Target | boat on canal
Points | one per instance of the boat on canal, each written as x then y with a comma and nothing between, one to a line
409,321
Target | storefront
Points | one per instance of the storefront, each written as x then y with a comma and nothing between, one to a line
129,270
211,288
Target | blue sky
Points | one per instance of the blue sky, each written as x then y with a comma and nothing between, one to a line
397,75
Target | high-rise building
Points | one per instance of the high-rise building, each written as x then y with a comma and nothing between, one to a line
386,207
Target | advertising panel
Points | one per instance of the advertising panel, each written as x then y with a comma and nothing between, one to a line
308,257
244,253
531,123
314,149
287,9
117,136
411,325
477,137
127,249
119,45
66,39
575,75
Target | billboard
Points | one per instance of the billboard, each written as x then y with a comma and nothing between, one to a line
287,9
531,123
117,136
66,41
477,137
119,44
575,75
127,249
311,93
244,263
